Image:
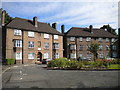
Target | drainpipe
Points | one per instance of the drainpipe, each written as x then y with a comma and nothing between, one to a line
22,46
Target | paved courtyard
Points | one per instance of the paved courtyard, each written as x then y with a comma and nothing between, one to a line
35,76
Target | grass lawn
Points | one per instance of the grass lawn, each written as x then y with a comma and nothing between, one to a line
114,66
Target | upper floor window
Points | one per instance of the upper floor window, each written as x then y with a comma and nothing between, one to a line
17,43
73,55
46,36
17,32
72,38
46,45
100,39
56,55
114,47
81,47
18,55
80,39
56,45
88,47
107,40
30,44
113,40
88,39
46,55
30,34
72,46
107,47
55,36
100,47
31,55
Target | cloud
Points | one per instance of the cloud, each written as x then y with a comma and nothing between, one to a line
69,13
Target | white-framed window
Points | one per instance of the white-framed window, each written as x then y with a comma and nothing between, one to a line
30,34
114,47
107,47
72,38
72,46
31,55
88,39
113,40
18,55
55,36
30,44
46,55
100,47
73,55
46,36
81,47
56,55
87,47
89,56
80,39
81,55
100,39
17,32
17,43
101,55
107,40
114,54
46,45
56,45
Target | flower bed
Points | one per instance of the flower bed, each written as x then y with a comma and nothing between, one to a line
66,64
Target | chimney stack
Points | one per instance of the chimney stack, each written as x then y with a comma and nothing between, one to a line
35,21
3,18
63,28
90,28
54,25
49,24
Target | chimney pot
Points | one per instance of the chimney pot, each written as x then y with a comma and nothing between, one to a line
90,28
54,25
63,28
3,18
35,21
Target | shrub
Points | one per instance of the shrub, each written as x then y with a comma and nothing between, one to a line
73,64
97,64
60,63
80,64
10,61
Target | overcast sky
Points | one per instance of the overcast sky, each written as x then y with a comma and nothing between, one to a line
71,14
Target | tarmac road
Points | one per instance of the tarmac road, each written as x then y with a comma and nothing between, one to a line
35,76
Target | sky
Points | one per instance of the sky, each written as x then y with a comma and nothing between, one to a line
71,14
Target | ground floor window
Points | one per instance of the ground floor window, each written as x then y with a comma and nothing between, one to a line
30,55
73,55
46,55
56,55
114,54
101,55
18,55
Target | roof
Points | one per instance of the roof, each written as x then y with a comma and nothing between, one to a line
85,32
27,24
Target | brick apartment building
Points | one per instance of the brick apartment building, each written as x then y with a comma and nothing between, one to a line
29,40
77,41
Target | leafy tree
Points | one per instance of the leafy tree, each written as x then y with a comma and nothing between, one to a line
109,28
93,49
7,18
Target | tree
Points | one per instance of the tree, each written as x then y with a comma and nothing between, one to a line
7,18
109,29
93,49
